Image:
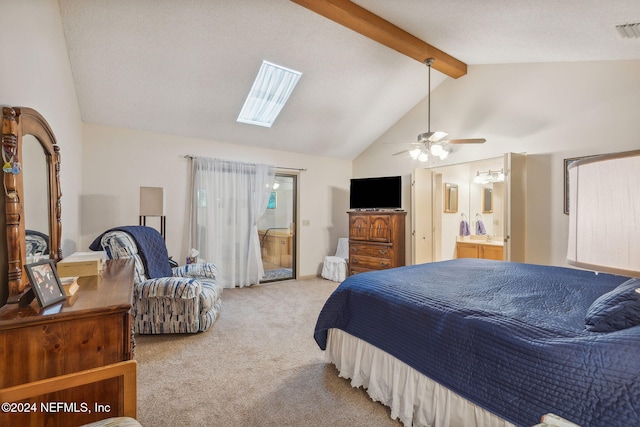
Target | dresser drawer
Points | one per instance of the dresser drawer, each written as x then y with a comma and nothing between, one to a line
378,251
371,262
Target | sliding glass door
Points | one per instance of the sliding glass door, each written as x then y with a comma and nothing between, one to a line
276,230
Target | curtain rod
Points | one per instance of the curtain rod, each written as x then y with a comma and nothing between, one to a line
277,167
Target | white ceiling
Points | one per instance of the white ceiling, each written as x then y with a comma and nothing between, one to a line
185,67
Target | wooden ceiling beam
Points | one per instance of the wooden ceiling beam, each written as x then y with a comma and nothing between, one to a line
368,24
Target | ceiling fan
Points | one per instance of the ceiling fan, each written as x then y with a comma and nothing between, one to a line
434,143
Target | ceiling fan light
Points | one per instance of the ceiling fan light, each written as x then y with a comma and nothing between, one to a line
436,149
423,157
415,153
444,154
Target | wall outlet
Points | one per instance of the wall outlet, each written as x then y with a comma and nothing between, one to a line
306,222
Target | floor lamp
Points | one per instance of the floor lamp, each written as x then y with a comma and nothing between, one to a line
152,205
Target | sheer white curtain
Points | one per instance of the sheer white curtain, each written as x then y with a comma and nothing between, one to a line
228,199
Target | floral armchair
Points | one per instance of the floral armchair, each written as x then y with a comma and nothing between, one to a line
184,299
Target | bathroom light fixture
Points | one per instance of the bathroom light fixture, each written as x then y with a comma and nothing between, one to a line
270,91
489,176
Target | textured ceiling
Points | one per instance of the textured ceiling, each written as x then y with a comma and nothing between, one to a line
185,67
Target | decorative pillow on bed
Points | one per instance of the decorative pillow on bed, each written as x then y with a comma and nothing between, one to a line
617,309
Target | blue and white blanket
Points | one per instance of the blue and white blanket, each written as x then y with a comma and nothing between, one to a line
509,337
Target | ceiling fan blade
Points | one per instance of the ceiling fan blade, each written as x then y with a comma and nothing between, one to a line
467,141
401,152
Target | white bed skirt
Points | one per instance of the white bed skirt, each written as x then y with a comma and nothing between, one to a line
412,397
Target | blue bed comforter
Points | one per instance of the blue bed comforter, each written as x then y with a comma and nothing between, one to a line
509,337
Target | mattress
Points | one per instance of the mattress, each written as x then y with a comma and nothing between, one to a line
508,337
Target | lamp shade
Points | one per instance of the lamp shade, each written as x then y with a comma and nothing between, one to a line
604,213
151,201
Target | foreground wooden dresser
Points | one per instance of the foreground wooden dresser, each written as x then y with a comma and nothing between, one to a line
376,240
90,329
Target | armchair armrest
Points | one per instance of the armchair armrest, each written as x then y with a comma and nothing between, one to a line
198,270
169,287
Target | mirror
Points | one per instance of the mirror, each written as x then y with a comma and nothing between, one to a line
487,200
31,160
450,198
36,189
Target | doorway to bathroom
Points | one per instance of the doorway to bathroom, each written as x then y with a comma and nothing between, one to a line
277,230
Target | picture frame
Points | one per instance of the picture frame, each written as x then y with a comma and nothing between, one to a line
45,282
567,163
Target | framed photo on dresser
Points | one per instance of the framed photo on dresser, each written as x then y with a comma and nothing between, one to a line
45,282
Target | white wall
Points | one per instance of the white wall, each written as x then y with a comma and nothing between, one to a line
550,111
35,73
117,162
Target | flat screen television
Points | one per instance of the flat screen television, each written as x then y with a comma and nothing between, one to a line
376,193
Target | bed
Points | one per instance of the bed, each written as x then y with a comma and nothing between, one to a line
489,343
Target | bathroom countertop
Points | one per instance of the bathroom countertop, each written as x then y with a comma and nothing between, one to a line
481,240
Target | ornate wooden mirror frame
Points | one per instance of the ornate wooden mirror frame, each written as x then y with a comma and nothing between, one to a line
16,123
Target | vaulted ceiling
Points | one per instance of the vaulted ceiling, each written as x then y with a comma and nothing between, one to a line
185,67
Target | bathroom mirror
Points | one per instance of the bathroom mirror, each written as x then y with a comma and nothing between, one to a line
31,169
450,198
487,200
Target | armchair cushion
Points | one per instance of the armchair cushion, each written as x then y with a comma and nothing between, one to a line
171,287
199,270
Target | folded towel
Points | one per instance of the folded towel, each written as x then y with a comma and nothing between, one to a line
480,230
464,228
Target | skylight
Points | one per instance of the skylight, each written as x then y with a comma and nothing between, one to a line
270,91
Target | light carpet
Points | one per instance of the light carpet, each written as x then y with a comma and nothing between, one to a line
257,366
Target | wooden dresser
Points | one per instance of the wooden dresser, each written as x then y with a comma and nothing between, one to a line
376,240
90,329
